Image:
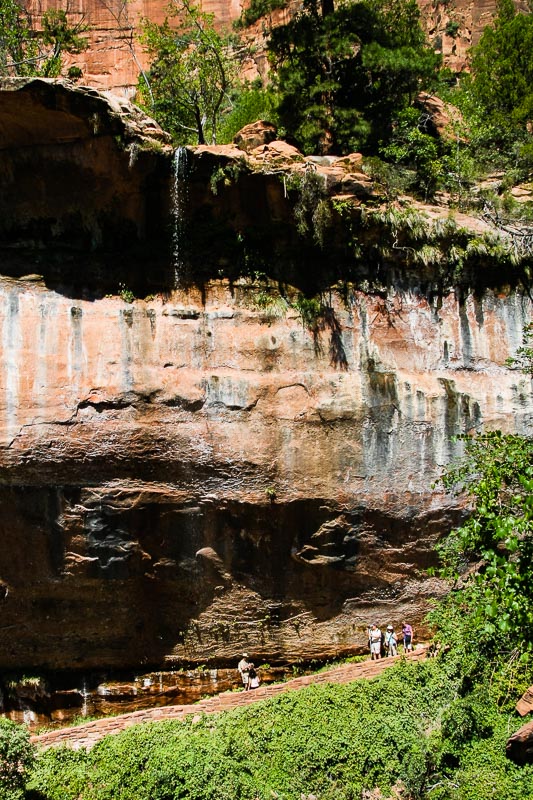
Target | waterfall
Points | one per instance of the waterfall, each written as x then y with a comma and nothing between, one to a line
85,695
179,203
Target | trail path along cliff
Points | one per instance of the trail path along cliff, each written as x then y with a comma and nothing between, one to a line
88,734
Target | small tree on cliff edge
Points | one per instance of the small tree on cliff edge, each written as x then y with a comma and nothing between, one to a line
190,75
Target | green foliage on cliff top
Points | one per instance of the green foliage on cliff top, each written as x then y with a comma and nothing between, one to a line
191,74
342,76
346,77
503,67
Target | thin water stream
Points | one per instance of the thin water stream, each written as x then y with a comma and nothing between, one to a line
179,197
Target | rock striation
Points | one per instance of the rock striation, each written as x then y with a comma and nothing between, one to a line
185,471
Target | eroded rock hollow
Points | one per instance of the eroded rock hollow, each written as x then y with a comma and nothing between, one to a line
184,472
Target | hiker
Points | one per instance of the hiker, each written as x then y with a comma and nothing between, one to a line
244,671
374,640
391,642
253,678
407,633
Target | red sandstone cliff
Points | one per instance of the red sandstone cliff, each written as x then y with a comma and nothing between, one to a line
185,474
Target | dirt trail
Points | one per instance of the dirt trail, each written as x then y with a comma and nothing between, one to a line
86,735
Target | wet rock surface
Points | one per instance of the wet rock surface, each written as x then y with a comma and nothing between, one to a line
60,699
181,488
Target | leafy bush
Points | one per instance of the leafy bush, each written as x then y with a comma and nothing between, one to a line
331,741
409,145
497,473
64,776
452,28
16,759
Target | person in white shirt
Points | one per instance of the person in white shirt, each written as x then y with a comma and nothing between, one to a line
244,671
374,640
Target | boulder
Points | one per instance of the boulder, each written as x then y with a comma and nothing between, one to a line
352,162
525,704
519,746
254,135
277,155
443,120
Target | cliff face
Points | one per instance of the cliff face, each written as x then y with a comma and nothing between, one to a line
140,443
115,56
188,474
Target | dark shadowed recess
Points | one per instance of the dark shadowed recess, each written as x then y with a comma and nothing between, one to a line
117,579
89,207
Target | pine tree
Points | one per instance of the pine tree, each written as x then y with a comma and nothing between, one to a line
341,75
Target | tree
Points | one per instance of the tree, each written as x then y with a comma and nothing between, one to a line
502,66
342,75
18,51
120,14
16,759
497,474
191,73
408,144
24,50
61,38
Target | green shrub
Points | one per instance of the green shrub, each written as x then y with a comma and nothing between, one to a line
60,773
452,28
258,9
331,741
249,104
16,759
